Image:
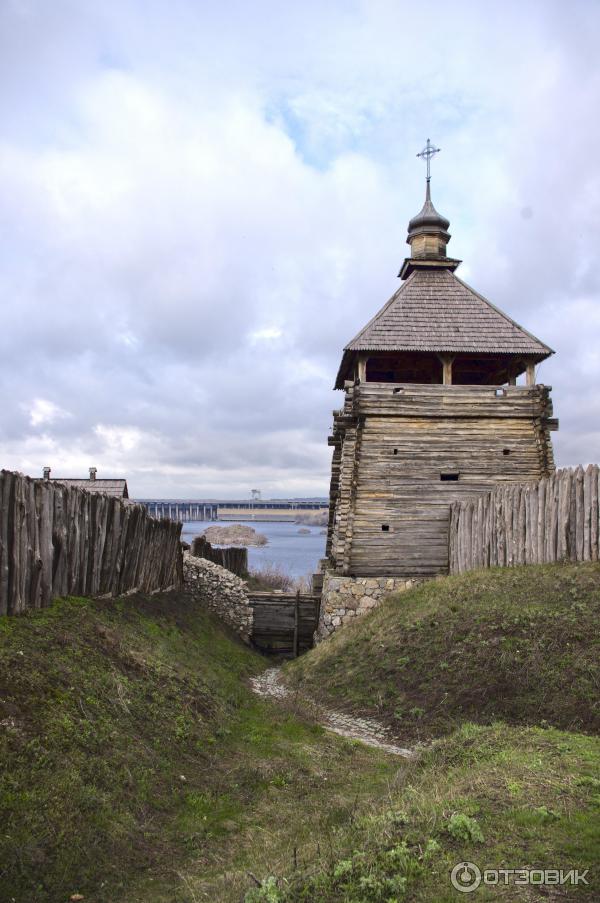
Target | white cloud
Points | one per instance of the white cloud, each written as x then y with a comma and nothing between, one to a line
266,334
43,412
202,205
119,440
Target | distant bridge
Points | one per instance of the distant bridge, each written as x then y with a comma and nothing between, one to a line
185,510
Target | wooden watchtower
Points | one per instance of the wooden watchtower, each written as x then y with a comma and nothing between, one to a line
432,414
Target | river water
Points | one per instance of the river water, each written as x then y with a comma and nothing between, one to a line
288,550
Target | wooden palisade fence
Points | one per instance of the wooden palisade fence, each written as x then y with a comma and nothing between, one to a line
233,559
555,519
57,541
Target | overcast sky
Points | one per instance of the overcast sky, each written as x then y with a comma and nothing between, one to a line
202,202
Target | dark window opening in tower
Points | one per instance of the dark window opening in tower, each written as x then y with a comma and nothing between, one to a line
480,370
408,367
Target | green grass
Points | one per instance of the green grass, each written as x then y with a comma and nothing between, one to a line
489,665
521,645
136,764
497,796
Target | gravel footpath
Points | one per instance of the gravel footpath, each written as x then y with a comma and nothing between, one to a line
366,730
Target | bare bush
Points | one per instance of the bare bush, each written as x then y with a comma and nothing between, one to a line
270,577
273,577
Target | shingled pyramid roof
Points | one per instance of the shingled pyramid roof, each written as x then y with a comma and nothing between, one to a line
434,310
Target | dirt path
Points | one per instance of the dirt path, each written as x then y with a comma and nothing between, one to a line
366,730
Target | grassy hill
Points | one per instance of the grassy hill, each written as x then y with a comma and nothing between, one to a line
136,764
500,797
521,645
518,645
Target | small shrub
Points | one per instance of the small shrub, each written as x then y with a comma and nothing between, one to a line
545,814
463,827
342,868
431,848
397,818
268,892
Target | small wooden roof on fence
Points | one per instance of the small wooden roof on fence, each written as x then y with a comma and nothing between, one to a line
117,487
435,311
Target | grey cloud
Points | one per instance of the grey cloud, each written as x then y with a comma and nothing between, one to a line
202,205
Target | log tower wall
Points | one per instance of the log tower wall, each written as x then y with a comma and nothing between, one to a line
403,454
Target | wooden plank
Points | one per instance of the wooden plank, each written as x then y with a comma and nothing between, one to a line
541,504
580,531
586,502
5,484
296,623
594,513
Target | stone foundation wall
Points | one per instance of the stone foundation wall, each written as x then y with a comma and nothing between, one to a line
346,598
221,592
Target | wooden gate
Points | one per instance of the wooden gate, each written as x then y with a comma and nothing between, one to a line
284,623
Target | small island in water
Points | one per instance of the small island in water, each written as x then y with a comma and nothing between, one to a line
234,535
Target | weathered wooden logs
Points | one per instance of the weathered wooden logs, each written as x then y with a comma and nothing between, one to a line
553,519
57,540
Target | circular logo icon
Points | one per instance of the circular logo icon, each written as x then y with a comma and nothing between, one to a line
465,877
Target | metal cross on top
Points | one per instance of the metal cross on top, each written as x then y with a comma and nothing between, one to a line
427,153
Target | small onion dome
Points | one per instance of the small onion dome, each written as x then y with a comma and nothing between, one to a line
428,220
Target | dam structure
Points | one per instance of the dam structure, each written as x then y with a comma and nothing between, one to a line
185,510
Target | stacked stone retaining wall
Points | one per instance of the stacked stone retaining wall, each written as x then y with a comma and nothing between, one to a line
220,591
345,598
